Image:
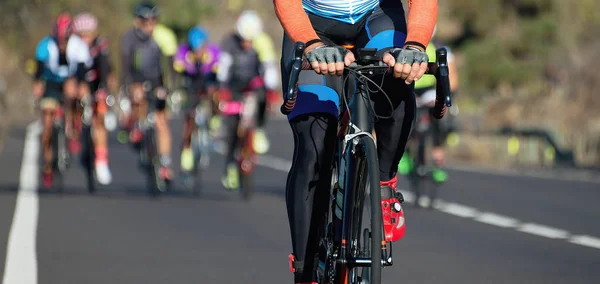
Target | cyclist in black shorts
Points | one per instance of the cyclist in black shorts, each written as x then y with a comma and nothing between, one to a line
141,65
98,77
194,59
324,26
239,72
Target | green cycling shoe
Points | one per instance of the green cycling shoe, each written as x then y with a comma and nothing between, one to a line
439,175
231,180
406,164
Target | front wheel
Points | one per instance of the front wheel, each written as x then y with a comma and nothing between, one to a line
366,232
88,158
155,183
61,156
246,167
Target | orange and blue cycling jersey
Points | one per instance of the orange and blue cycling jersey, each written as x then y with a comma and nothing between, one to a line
421,19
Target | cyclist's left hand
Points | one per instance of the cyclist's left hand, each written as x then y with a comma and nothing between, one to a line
410,63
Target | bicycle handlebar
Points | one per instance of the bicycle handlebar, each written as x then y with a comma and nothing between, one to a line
370,65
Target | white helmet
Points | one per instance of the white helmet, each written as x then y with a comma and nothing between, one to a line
249,25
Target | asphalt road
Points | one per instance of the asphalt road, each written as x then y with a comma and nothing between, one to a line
489,228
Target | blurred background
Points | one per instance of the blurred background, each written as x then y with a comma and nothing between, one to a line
527,102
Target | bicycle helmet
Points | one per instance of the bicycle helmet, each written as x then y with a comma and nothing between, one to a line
249,25
197,36
63,28
85,22
146,10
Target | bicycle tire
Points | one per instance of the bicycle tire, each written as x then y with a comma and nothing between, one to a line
60,156
246,167
367,174
89,158
192,178
151,156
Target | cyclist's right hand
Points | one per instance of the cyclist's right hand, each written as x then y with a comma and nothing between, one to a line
328,60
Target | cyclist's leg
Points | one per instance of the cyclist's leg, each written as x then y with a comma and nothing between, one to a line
100,136
72,115
189,125
139,109
438,135
386,28
261,142
314,126
163,136
230,125
53,95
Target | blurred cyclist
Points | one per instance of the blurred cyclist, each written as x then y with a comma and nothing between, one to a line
62,60
99,77
239,71
263,45
141,64
196,60
425,100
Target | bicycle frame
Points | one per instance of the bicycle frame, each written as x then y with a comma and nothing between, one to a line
359,124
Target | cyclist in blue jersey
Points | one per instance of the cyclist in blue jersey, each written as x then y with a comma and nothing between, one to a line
62,61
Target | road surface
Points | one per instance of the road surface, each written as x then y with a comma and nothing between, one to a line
490,228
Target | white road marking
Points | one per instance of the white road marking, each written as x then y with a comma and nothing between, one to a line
21,258
586,241
464,211
275,163
543,231
497,220
459,210
578,176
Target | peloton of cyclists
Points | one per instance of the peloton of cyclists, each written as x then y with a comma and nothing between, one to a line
81,66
